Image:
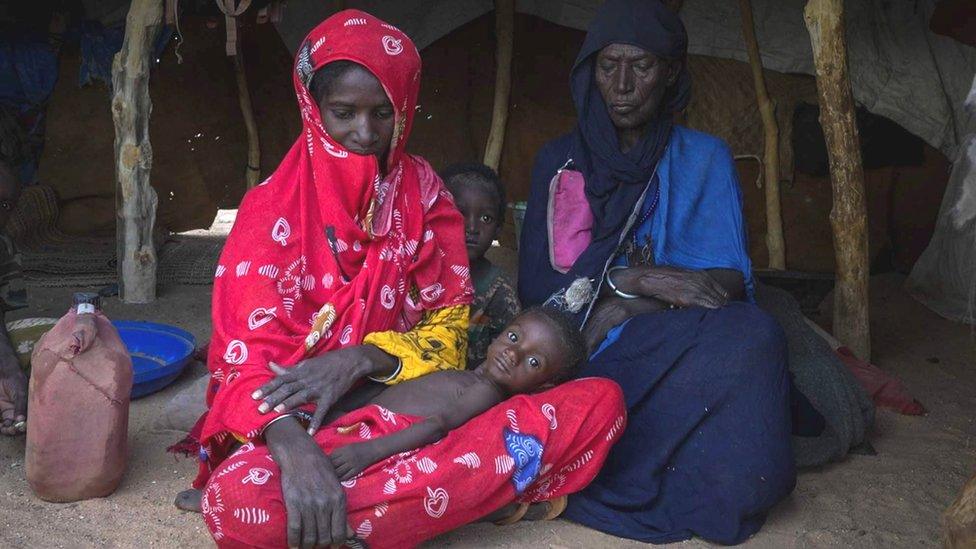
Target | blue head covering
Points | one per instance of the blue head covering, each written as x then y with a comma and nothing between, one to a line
614,179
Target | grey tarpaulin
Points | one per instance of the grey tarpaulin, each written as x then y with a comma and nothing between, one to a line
899,69
944,277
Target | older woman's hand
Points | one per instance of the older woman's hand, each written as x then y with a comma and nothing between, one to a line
611,311
674,285
321,380
315,502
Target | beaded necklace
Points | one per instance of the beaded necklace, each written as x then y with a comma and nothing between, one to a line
647,254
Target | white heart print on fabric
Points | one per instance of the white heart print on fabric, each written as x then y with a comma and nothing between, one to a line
387,297
257,476
381,509
432,292
281,231
392,46
549,411
427,465
469,460
346,336
615,428
252,515
242,268
436,502
261,316
236,352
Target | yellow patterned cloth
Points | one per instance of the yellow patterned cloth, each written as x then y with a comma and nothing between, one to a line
438,342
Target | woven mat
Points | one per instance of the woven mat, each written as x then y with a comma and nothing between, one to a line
182,260
52,259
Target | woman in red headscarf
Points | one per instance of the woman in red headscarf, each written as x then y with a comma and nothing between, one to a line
349,263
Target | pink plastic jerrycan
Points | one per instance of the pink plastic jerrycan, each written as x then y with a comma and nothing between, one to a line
78,407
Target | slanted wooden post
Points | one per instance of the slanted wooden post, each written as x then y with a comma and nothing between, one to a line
774,219
135,199
233,10
505,38
848,217
252,173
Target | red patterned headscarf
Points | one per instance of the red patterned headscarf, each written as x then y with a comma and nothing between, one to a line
329,249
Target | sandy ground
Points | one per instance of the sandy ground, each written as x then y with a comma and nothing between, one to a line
893,499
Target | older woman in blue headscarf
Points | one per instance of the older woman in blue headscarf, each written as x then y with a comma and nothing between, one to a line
642,219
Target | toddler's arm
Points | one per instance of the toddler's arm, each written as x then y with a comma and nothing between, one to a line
474,399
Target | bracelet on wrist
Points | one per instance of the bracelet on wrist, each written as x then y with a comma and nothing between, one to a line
273,421
613,287
391,377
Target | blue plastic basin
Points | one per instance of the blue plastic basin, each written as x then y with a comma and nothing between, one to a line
159,353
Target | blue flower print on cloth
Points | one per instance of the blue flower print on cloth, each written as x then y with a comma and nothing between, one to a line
526,451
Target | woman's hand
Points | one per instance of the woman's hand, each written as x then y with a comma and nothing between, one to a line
674,285
320,380
314,500
608,312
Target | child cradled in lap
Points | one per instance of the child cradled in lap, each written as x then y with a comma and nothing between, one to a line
480,196
537,350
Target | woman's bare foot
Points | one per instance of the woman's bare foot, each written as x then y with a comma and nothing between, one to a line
189,500
543,510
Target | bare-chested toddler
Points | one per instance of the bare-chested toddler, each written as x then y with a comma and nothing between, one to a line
539,349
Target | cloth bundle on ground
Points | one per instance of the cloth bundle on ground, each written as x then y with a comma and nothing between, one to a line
824,381
886,390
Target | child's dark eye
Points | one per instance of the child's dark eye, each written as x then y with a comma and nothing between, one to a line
488,219
342,115
534,362
512,337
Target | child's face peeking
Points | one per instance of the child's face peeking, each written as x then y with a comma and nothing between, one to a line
525,356
479,206
357,113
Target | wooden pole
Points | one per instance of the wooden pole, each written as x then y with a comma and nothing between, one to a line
848,217
774,219
505,38
135,198
252,172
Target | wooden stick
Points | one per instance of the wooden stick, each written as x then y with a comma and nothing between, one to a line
774,219
134,196
848,217
505,38
252,172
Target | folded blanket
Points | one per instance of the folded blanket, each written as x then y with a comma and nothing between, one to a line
822,377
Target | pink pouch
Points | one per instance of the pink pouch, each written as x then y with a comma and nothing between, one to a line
569,219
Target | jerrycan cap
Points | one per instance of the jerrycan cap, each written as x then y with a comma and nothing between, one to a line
87,302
